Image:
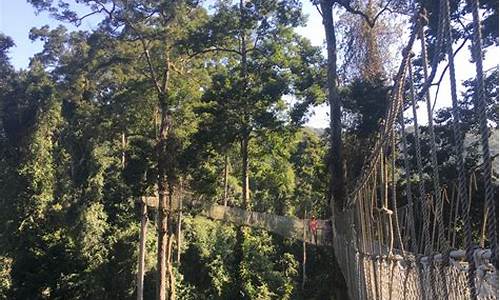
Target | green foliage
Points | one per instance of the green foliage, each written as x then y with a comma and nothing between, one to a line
365,103
208,260
264,276
273,175
5,68
91,235
310,180
5,280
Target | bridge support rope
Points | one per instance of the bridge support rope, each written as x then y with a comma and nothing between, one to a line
420,274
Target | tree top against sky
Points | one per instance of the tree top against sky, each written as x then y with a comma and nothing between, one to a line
18,17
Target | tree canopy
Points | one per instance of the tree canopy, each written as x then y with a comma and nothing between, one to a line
204,102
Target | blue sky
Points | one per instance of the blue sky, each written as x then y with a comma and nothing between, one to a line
17,17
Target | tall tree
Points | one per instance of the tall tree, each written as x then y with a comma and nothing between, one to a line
154,27
247,91
337,188
259,59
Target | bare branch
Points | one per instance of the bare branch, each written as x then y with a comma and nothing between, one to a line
78,21
214,49
174,68
319,10
165,76
150,66
438,83
145,46
106,10
385,8
346,4
255,49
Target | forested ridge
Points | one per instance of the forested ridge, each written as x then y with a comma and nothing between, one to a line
206,103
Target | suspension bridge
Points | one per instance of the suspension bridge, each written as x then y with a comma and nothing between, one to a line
401,241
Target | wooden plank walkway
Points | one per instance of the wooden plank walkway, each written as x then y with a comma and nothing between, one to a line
286,226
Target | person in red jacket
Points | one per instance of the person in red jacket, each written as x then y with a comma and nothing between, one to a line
313,228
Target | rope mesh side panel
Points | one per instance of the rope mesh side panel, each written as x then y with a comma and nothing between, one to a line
374,266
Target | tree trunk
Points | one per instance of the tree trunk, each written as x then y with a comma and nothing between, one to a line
244,172
142,250
226,178
240,235
124,145
164,263
162,244
336,167
337,190
171,237
179,226
245,134
246,129
304,256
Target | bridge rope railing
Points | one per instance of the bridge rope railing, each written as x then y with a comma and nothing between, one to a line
394,247
285,226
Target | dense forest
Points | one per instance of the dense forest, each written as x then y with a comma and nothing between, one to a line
205,102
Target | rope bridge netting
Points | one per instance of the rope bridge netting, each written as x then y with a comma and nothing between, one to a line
420,239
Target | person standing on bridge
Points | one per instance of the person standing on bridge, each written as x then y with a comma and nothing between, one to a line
313,228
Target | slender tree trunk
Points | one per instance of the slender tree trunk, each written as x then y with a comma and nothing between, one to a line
162,243
240,235
304,255
246,129
337,190
171,237
142,250
179,225
164,263
244,173
245,135
124,145
336,167
226,178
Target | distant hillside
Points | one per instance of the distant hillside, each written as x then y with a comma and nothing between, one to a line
470,138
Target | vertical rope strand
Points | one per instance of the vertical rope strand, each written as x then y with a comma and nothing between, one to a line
459,151
409,194
458,137
451,217
418,152
385,209
481,109
394,200
457,206
432,134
